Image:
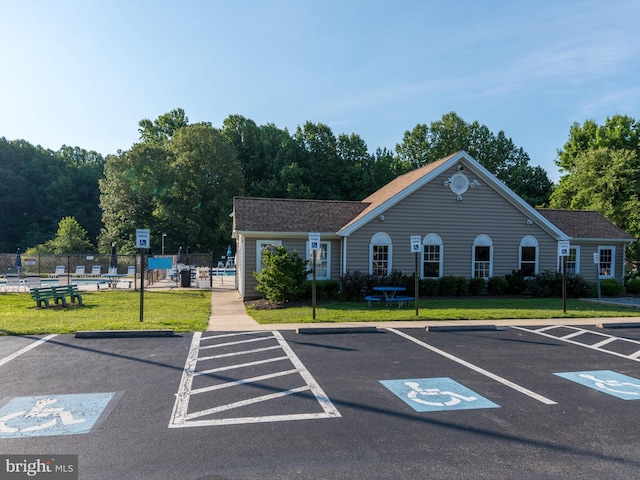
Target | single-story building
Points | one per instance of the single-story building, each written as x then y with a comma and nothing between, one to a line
470,224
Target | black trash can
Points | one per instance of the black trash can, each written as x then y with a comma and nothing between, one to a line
185,278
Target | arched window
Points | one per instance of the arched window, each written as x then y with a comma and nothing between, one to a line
528,256
432,256
380,250
482,257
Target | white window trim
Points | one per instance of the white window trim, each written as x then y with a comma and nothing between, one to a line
577,249
432,239
259,244
613,260
481,241
328,244
381,238
529,241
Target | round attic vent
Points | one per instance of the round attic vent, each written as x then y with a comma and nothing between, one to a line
459,183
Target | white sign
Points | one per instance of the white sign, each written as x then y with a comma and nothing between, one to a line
563,248
596,258
142,238
314,241
415,243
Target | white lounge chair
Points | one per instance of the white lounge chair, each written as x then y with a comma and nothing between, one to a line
59,271
34,281
96,271
79,271
14,282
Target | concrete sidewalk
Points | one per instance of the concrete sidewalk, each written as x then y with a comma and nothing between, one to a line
228,313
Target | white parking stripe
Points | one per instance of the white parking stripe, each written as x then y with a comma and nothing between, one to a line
242,382
475,368
235,343
239,365
31,346
244,352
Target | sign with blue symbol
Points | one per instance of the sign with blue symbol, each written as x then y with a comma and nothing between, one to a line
51,415
435,394
606,381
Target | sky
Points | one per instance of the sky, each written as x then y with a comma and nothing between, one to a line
84,73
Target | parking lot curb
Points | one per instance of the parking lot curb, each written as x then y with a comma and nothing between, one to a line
618,325
328,330
461,328
125,333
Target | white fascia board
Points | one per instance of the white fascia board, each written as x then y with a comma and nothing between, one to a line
267,235
628,241
383,207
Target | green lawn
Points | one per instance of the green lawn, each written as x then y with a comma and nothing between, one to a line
180,310
444,309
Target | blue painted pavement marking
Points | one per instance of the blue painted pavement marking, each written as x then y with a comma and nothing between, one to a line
435,394
52,414
606,381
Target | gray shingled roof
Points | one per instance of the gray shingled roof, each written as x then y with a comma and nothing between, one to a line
584,224
287,215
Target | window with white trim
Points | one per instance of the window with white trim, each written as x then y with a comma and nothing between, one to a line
482,257
380,250
432,251
323,261
529,256
607,262
572,260
261,247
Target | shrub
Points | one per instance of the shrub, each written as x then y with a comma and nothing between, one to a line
497,286
516,282
477,286
283,277
545,284
429,287
633,285
578,287
355,285
611,287
327,289
453,286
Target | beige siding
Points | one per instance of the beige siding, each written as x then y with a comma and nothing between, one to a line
588,269
435,209
291,244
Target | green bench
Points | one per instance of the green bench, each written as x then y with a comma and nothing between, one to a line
42,295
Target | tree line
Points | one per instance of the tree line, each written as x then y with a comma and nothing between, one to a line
180,178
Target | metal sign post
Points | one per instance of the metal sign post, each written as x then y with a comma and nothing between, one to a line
142,242
563,252
314,246
415,248
596,260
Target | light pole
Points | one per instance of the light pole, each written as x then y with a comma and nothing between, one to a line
162,248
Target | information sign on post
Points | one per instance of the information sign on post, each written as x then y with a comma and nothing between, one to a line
314,246
142,238
563,252
143,243
415,248
563,248
596,261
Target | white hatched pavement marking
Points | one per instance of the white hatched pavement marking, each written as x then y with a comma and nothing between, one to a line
475,368
261,339
244,352
242,382
239,365
597,346
31,346
180,417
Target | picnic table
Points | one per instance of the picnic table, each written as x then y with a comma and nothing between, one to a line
113,278
389,295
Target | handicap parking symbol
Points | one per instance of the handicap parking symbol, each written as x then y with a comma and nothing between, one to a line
52,415
606,381
436,394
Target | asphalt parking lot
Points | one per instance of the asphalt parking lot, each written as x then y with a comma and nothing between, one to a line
534,402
